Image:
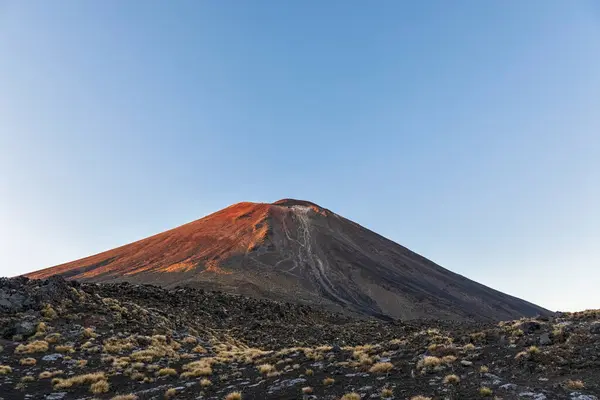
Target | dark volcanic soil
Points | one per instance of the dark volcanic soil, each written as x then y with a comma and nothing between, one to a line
297,251
65,340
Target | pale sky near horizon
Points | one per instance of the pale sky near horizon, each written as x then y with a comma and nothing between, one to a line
467,131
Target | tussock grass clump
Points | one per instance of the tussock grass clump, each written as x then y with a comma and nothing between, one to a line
125,397
49,374
574,384
199,350
265,368
533,350
309,372
89,333
170,393
99,387
386,392
351,396
485,391
484,369
190,340
205,382
307,390
196,372
166,372
27,379
78,380
37,346
429,362
64,349
328,381
381,367
419,397
451,379
468,347
116,346
448,359
53,337
234,396
28,361
48,312
5,370
137,376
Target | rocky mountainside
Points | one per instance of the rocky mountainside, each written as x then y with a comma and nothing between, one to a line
69,340
297,251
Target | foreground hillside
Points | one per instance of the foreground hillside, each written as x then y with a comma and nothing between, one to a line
66,340
294,250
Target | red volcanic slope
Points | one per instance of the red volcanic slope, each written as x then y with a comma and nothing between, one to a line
297,251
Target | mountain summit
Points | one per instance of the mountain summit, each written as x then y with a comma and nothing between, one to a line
297,251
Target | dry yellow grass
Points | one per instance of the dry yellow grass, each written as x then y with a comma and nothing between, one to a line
307,390
448,359
125,397
265,368
351,396
533,350
574,385
78,380
429,361
309,372
170,393
64,349
484,369
328,381
190,340
386,392
48,312
205,382
99,387
234,396
38,346
381,367
53,337
451,379
137,376
419,397
27,379
89,334
196,372
166,372
28,361
5,370
199,349
49,374
485,391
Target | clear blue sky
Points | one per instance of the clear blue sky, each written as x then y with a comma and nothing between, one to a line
468,131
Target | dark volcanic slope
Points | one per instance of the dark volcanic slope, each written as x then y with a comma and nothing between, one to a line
295,250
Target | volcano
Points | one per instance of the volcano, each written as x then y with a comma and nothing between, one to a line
297,251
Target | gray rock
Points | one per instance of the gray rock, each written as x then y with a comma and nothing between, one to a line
595,328
545,339
56,396
52,357
532,395
508,386
579,396
25,328
466,363
285,384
